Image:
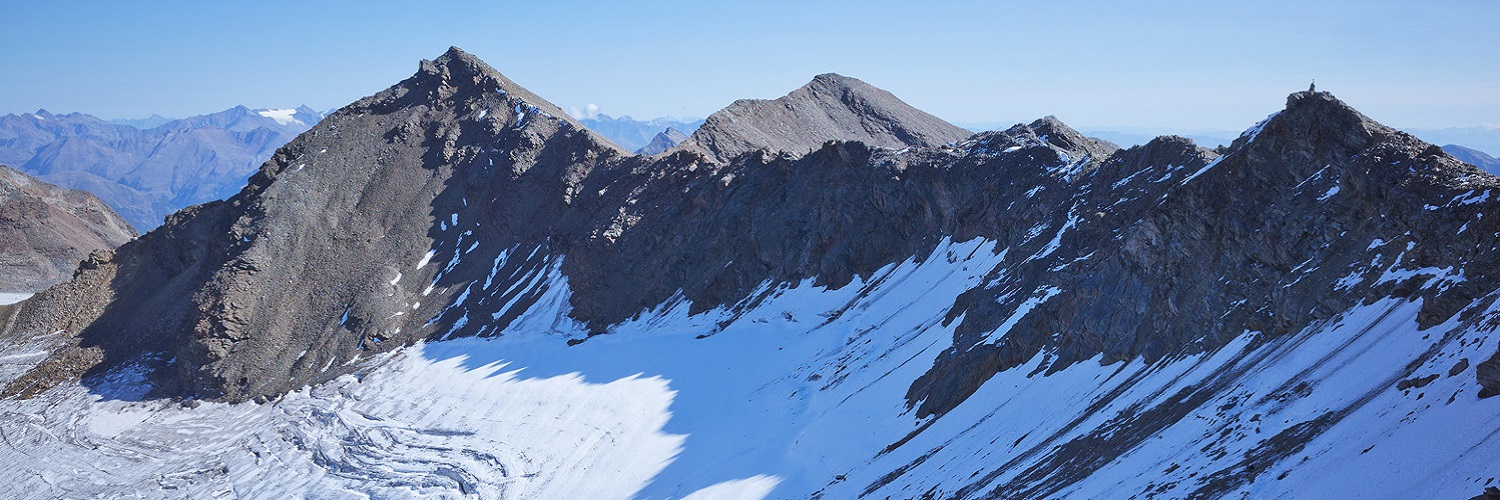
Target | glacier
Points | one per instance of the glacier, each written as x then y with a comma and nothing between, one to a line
796,396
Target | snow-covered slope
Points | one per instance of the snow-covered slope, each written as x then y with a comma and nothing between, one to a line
801,396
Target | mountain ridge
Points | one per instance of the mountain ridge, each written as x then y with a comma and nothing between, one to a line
1109,302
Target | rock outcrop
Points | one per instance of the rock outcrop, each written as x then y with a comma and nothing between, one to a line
830,107
45,231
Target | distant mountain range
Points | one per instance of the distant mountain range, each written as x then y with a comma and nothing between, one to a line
1474,157
633,134
1486,139
143,123
148,173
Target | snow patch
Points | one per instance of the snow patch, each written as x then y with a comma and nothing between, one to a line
281,116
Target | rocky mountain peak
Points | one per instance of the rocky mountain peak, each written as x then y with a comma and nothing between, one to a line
1320,122
830,107
1058,134
459,76
834,82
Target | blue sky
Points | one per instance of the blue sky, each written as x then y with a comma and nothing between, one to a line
1165,66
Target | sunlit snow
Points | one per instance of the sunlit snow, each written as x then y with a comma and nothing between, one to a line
281,116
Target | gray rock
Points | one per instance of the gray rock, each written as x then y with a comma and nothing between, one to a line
830,107
1488,375
46,230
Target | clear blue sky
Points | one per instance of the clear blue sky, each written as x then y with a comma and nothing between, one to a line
1180,66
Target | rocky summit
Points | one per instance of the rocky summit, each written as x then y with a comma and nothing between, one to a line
452,287
831,106
45,231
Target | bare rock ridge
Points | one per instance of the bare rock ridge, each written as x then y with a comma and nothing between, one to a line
830,107
45,231
449,204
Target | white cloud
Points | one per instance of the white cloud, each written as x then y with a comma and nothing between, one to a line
589,111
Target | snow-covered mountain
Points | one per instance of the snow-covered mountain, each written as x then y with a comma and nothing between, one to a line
146,174
453,288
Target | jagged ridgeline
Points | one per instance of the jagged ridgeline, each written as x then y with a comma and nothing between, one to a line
456,203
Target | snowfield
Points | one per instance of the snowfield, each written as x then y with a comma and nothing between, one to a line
800,396
281,116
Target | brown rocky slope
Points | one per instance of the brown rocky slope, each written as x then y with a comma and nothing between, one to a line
45,231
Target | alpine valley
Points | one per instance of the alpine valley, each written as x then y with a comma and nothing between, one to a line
452,288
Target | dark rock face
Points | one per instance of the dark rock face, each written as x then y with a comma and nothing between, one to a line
1169,256
830,107
666,139
1488,374
146,174
46,230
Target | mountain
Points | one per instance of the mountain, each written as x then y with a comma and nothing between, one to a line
46,230
634,134
829,107
451,287
1474,157
143,123
666,139
147,174
1486,138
